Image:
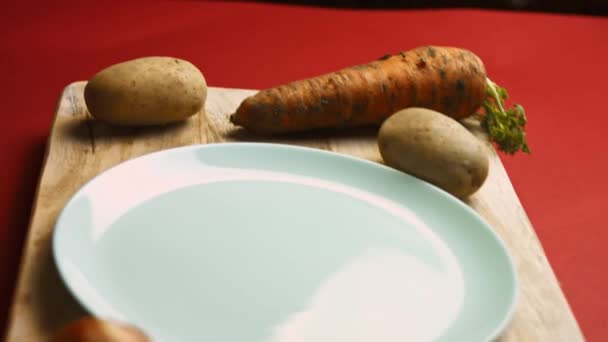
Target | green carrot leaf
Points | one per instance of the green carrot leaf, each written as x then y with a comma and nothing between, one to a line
505,127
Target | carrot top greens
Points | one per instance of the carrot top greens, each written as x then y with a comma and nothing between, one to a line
505,127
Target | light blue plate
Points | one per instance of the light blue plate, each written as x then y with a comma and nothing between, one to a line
249,242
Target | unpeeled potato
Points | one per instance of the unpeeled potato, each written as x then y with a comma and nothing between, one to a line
146,91
91,329
436,148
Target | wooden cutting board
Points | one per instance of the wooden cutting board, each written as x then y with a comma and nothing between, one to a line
80,148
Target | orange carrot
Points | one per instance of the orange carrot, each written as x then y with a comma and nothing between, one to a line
446,79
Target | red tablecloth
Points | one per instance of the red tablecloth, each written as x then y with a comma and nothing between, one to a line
553,64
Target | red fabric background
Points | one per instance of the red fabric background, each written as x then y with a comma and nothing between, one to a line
553,64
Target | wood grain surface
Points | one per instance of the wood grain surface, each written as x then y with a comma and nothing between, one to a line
79,148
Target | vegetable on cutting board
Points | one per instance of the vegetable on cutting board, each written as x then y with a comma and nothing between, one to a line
449,80
92,329
436,148
146,91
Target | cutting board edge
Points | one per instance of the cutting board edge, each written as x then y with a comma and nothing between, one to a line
29,236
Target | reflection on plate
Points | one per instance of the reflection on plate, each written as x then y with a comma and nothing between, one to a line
275,243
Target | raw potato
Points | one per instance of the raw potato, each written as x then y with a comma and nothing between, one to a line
435,148
146,91
91,329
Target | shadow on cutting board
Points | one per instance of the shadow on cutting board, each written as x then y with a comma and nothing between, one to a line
87,130
241,134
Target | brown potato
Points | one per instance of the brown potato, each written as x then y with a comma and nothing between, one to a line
91,329
146,91
436,148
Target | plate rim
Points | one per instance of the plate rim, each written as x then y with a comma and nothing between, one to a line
92,309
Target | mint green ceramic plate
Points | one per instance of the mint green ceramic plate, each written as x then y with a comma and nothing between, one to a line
246,242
